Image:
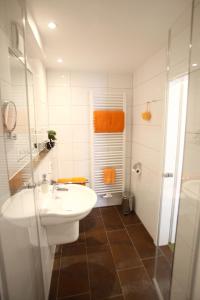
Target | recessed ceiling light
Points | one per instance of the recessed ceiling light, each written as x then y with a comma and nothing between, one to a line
52,25
194,65
59,60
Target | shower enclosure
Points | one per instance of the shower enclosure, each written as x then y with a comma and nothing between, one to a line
21,274
179,212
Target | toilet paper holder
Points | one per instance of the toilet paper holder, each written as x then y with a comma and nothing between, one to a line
137,168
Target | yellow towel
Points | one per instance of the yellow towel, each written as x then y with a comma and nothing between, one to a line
108,121
78,180
109,175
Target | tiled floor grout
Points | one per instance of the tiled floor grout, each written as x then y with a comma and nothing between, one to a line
150,257
112,254
129,237
131,268
88,268
114,230
130,225
107,242
72,296
60,258
135,250
119,295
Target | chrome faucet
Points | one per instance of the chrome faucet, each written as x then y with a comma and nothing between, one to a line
28,185
58,187
54,189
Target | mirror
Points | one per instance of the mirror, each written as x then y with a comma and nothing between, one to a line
17,141
9,116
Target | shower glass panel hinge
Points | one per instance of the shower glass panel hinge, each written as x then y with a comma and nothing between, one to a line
167,175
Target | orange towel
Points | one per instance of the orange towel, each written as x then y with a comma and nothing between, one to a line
109,175
77,180
108,121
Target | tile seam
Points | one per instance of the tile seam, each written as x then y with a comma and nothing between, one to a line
120,283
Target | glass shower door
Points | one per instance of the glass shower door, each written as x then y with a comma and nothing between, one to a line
181,280
20,261
186,276
176,104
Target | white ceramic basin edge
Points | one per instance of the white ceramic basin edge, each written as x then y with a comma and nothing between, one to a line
62,211
67,206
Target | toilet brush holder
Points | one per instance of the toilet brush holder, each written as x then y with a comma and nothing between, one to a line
126,205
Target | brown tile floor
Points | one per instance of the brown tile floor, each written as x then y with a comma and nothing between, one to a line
113,259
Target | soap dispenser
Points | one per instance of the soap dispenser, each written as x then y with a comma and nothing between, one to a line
44,184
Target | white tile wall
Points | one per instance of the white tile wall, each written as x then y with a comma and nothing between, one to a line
80,133
69,96
80,115
60,115
147,138
58,78
179,44
4,58
147,195
65,151
152,67
40,96
193,123
79,96
81,151
65,133
150,158
58,95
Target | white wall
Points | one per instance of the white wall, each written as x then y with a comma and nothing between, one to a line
68,97
148,136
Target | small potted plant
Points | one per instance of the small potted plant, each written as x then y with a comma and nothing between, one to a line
52,139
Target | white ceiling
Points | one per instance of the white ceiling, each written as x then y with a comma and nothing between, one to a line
102,35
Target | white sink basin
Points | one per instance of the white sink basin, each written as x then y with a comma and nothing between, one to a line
19,209
67,206
60,213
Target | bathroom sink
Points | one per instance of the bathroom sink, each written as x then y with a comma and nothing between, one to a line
19,209
61,212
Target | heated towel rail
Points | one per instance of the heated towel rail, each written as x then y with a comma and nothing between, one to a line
107,149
